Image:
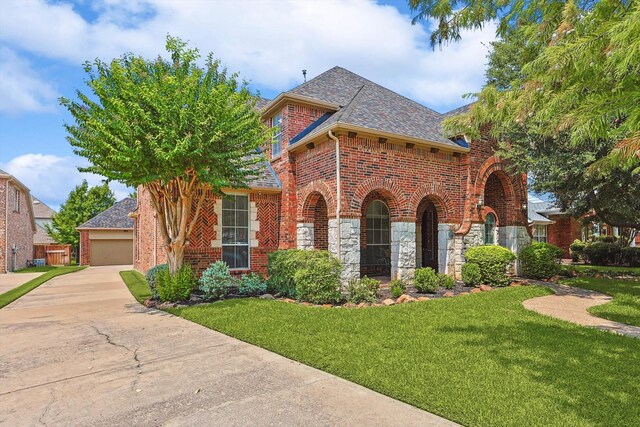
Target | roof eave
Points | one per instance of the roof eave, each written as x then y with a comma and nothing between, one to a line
103,228
281,99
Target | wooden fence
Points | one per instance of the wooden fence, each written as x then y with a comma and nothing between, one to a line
53,254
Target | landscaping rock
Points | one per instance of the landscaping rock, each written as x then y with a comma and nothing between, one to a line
349,305
388,301
448,294
362,304
423,298
405,298
463,293
327,305
475,291
266,296
485,288
289,300
308,304
555,279
149,303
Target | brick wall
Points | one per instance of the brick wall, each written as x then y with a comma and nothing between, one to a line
563,232
495,198
85,248
19,228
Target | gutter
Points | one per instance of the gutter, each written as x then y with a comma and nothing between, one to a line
338,191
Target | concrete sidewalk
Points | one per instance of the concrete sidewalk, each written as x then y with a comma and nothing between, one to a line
9,281
79,350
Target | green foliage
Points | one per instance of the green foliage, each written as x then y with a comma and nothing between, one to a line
562,96
576,249
602,253
631,256
540,260
426,280
152,277
446,281
172,287
397,287
171,127
493,262
216,281
82,204
363,290
312,276
471,275
252,284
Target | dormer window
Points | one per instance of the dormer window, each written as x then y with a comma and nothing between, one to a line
276,143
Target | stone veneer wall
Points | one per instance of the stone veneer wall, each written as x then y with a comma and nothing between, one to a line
305,239
349,245
517,237
403,250
446,249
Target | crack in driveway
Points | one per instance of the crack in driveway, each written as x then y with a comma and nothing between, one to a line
46,408
108,338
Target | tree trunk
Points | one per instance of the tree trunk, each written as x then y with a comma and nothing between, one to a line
173,203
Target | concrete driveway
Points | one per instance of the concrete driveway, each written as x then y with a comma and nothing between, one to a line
79,350
9,281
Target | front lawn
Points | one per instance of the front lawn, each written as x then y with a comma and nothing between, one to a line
137,285
38,269
15,293
605,270
624,308
480,360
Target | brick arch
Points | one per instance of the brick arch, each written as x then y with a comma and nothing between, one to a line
387,190
438,196
308,198
488,210
512,185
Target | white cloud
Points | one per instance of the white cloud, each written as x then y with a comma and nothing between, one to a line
22,89
270,42
50,178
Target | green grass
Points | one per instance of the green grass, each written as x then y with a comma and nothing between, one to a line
15,293
480,360
605,270
137,285
624,308
40,269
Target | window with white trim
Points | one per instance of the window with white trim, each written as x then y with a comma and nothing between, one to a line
16,200
490,229
235,231
540,233
276,143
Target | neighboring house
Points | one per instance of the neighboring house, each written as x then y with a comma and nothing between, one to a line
402,194
43,215
550,225
17,225
107,238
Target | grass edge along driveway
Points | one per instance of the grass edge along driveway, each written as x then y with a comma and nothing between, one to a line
15,293
137,285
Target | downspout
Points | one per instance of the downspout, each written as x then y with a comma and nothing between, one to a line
338,192
6,226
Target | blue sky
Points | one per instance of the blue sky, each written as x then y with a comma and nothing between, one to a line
44,43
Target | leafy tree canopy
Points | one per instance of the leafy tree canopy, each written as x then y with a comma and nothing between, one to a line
82,204
171,127
562,95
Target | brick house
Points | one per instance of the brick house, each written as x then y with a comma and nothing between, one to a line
43,215
17,225
366,173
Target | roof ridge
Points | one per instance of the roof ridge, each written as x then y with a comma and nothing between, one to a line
348,109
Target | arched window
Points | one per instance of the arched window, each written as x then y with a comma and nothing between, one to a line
376,254
490,229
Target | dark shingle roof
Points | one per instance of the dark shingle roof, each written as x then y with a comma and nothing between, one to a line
262,102
267,178
369,105
41,236
40,210
114,217
458,110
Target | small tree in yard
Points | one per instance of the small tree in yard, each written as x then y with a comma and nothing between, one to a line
171,127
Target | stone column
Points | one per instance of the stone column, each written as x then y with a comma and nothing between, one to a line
349,245
305,235
475,237
516,238
403,250
446,253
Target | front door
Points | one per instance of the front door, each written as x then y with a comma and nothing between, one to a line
430,238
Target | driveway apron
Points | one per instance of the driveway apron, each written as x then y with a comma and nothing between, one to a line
79,350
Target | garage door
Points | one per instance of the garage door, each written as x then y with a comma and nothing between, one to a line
111,252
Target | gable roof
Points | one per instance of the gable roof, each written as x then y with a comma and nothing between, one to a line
363,104
41,236
538,208
116,217
41,210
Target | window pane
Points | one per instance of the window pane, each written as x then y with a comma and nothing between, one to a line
242,219
242,202
236,256
242,235
228,235
228,218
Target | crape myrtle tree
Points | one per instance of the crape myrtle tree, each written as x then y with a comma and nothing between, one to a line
173,128
562,96
82,204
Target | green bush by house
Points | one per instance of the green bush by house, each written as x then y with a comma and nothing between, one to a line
177,286
252,284
397,287
471,274
493,262
363,290
540,260
426,280
216,281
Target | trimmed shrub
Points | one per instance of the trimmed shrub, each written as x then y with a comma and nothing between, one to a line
252,284
281,266
397,287
576,249
317,277
175,287
471,274
363,290
446,281
631,256
216,281
540,260
152,277
426,280
493,262
602,253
